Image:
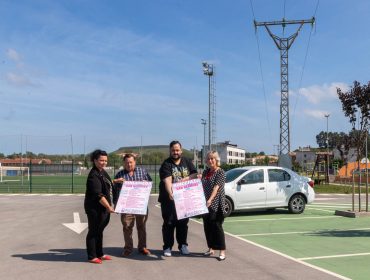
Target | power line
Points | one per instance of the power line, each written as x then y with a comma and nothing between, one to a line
304,64
262,78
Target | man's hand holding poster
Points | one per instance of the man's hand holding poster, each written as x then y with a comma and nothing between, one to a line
189,198
134,197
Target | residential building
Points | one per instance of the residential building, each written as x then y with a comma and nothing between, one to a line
230,153
305,157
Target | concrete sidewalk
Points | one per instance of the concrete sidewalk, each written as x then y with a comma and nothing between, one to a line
35,245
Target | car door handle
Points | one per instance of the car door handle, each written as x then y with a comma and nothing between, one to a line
288,186
262,188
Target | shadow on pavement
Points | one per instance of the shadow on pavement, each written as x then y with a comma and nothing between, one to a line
56,255
260,212
340,233
79,255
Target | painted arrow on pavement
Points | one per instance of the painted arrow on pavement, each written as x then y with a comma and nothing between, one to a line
76,226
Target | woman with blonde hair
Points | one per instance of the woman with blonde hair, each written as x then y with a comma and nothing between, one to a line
213,180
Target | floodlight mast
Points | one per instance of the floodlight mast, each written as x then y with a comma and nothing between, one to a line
283,44
204,123
208,70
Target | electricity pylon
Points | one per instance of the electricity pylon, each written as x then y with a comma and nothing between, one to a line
283,44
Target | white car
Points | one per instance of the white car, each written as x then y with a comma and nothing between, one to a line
267,187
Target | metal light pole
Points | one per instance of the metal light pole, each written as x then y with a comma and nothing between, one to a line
204,123
367,173
327,147
208,70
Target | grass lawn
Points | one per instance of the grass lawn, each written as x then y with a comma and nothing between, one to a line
334,188
53,184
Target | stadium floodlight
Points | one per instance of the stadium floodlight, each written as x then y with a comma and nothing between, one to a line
207,68
204,123
208,71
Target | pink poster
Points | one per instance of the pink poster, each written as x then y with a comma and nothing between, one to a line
134,197
189,198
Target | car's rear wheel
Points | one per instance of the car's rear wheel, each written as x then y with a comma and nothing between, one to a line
228,207
297,204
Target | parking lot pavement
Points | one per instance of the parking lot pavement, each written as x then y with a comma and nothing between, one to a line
338,198
36,245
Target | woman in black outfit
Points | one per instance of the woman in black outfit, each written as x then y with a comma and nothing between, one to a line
213,180
98,206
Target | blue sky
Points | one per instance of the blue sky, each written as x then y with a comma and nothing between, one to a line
123,73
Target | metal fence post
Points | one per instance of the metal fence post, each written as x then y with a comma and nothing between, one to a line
155,176
72,178
30,171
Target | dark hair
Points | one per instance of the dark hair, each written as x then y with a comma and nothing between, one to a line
174,142
129,155
96,154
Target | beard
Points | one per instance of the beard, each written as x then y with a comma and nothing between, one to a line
177,156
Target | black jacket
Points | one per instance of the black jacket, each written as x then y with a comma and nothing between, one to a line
98,184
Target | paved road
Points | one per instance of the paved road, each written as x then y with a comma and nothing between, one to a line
340,198
35,245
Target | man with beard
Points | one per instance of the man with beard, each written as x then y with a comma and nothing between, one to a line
174,169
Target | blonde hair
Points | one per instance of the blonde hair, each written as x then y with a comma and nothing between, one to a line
215,155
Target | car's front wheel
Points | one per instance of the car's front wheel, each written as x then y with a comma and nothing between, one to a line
297,204
228,207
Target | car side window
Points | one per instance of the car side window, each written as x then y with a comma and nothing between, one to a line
278,175
254,177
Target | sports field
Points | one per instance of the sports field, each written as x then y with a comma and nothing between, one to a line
316,237
52,184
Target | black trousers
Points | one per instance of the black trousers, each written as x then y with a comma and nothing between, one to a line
212,223
97,221
170,223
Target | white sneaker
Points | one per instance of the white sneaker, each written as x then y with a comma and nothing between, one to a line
184,250
167,252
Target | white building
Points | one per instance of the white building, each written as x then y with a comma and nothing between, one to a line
230,153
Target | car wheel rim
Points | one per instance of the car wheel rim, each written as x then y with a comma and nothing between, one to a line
227,208
298,204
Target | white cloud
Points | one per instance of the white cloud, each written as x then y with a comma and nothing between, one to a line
319,93
318,114
13,55
18,80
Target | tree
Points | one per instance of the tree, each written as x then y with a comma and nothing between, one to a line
321,139
340,141
355,105
114,160
343,143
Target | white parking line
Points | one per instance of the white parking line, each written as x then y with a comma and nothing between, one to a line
275,233
41,194
334,256
299,232
281,254
331,204
323,198
289,257
277,219
324,210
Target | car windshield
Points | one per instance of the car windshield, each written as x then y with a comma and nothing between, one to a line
232,174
